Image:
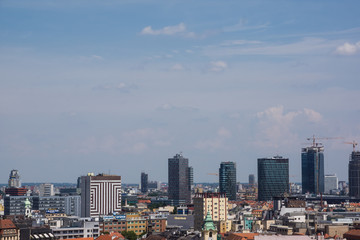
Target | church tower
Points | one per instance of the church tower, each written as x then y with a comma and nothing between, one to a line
209,230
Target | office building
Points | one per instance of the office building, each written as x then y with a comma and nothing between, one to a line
354,174
144,182
273,177
46,190
312,169
252,180
331,183
179,186
214,203
227,179
100,195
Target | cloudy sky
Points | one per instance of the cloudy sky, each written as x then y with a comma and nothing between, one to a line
121,86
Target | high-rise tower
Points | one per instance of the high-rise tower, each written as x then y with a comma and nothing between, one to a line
312,169
179,185
273,177
227,179
100,195
354,174
144,182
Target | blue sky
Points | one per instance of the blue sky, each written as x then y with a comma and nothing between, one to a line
121,86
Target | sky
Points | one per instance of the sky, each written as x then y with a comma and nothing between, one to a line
121,86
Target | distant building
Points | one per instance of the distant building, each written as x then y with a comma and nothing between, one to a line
215,203
227,179
191,178
100,195
179,186
251,179
14,179
331,183
312,169
47,189
273,177
354,174
153,185
15,205
144,182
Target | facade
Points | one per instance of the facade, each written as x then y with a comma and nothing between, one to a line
251,180
85,228
312,169
47,189
8,230
331,183
191,178
100,195
354,174
49,204
214,203
144,182
227,179
15,205
12,191
273,177
14,179
73,205
178,175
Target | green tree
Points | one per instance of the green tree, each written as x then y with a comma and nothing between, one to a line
130,235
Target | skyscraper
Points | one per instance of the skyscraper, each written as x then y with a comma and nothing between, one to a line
227,179
273,177
179,186
251,180
100,195
354,174
191,178
144,182
312,169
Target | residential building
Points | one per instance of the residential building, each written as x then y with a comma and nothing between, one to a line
8,230
227,179
76,228
178,176
214,203
331,183
312,169
100,195
273,177
354,174
144,182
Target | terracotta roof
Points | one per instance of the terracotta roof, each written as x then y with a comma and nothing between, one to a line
90,238
155,237
240,236
111,236
6,224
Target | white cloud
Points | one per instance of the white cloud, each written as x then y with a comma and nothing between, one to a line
242,25
177,67
168,30
277,128
348,49
223,132
218,66
239,42
216,142
312,115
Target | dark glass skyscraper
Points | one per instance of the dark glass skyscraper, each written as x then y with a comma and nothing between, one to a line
144,182
312,169
273,177
227,179
179,186
354,174
252,180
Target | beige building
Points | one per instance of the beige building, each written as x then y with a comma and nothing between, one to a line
8,230
214,203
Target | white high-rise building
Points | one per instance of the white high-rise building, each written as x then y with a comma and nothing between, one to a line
46,190
100,195
331,183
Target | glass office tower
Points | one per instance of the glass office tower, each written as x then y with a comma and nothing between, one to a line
273,177
354,174
227,179
312,169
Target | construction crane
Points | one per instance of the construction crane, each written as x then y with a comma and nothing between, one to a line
315,144
215,174
354,143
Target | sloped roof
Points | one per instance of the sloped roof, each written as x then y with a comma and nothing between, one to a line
6,224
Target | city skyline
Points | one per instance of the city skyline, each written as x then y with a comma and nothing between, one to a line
93,86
